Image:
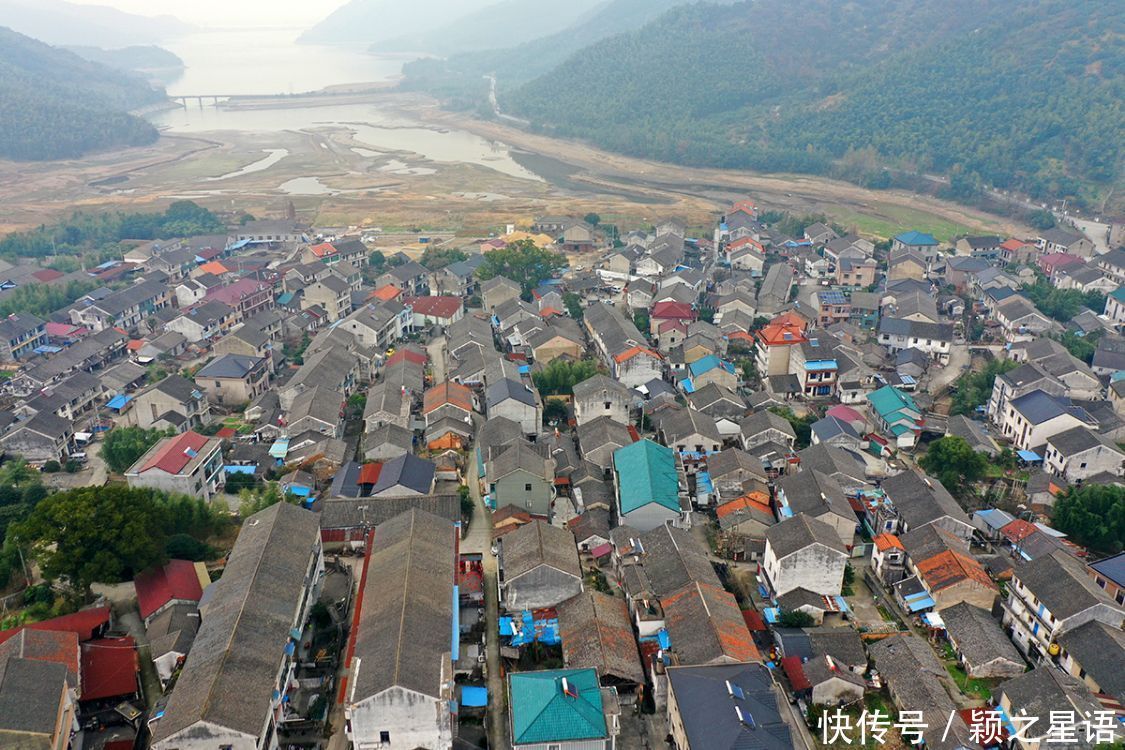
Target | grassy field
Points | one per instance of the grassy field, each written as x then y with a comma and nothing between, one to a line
892,220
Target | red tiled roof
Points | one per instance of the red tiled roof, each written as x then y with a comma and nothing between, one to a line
135,344
65,329
214,267
409,355
176,453
84,624
745,206
786,328
57,647
754,621
447,393
795,672
887,541
671,324
437,307
156,587
1018,529
369,473
950,568
47,274
109,668
672,309
232,294
323,249
226,432
1013,244
746,241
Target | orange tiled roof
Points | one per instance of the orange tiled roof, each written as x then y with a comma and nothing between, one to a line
950,568
755,500
447,393
323,249
630,353
725,619
386,293
787,328
214,267
887,541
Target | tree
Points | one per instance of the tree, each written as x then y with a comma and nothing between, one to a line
592,219
561,375
523,262
377,260
554,410
956,465
95,534
796,618
1093,515
974,388
436,258
187,547
1061,304
124,445
801,425
252,501
573,305
1041,219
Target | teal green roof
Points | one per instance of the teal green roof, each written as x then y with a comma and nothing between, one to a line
1118,294
542,713
916,238
889,399
646,473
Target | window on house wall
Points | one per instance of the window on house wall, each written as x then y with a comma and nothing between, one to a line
385,738
527,487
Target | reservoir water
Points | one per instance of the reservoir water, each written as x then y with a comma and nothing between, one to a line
267,62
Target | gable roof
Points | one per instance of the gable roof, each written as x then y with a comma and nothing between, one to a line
173,454
919,500
539,543
241,640
704,624
447,392
646,474
707,707
175,580
1100,649
1060,583
916,238
978,636
949,568
402,629
597,633
800,531
407,471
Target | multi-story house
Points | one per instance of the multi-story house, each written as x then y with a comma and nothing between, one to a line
1036,416
815,365
247,296
1050,596
775,341
332,294
125,308
187,464
173,402
600,396
1018,382
932,339
20,335
234,379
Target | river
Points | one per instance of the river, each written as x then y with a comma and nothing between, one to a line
267,62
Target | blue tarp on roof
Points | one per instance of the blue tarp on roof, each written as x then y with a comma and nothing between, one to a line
48,349
772,614
298,489
474,697
279,448
918,602
1029,456
240,469
238,245
118,402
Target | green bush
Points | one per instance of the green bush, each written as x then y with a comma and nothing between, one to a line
51,467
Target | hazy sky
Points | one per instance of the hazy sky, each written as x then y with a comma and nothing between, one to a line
230,12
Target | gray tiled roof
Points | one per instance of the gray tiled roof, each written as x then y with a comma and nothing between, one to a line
348,513
538,543
978,636
505,389
596,632
1100,650
919,503
800,531
402,635
407,471
229,366
30,694
1046,689
1059,581
241,641
673,558
842,644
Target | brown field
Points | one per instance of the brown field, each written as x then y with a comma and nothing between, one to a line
466,198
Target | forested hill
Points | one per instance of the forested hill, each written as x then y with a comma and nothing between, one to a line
55,105
459,77
1014,93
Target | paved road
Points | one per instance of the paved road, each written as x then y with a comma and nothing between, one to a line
479,539
940,378
436,350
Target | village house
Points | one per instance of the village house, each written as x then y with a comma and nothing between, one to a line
1036,416
1079,453
914,501
981,646
272,579
187,464
515,401
234,379
247,296
1061,239
126,308
538,567
20,336
896,415
332,294
622,347
599,396
647,486
725,707
401,671
498,290
1049,596
600,438
173,402
562,709
932,339
44,437
1094,653
519,475
802,552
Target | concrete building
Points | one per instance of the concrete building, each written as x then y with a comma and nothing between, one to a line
647,486
725,707
802,552
562,709
401,669
519,475
1080,453
515,401
189,463
271,581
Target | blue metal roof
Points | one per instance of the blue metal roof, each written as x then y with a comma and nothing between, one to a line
1029,456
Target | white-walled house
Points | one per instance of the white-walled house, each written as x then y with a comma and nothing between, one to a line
802,552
